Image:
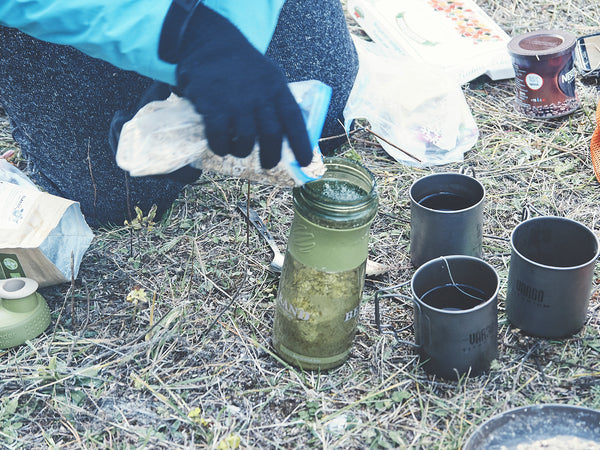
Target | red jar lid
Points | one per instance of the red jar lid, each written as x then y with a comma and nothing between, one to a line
542,44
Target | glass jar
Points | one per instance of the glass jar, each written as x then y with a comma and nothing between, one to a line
318,300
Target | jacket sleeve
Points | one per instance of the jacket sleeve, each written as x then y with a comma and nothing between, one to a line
126,32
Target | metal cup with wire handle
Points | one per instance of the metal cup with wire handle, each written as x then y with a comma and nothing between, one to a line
455,315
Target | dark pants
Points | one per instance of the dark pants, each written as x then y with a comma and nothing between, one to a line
60,103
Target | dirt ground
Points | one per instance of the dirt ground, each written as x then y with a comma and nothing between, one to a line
190,365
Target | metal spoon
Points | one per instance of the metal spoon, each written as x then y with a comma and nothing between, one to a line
252,216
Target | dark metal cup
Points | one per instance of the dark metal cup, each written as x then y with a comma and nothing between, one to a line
446,217
455,302
550,276
456,317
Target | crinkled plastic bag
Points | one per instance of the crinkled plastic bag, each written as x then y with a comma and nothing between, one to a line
166,135
456,36
13,175
41,235
416,107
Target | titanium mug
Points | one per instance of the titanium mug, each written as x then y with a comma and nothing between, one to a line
446,217
550,276
455,301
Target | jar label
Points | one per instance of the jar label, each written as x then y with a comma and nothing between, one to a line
291,311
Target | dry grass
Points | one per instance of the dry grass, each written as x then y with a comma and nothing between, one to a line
194,367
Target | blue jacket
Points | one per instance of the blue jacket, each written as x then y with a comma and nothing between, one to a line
126,32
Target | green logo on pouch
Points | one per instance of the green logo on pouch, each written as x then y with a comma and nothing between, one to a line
10,263
10,266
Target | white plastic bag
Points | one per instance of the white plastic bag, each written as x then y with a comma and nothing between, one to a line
11,174
416,107
455,36
39,232
166,135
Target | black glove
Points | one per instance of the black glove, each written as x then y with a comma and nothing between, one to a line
242,95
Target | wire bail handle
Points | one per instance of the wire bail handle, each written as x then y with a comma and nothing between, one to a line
528,208
389,329
467,170
424,328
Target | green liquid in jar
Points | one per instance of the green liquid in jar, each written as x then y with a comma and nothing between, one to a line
316,314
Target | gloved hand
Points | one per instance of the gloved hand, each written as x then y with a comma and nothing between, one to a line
241,95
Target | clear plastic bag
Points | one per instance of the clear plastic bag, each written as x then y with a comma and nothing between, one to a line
457,37
13,175
166,135
414,106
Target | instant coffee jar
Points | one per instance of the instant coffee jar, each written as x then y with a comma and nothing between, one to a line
322,278
544,73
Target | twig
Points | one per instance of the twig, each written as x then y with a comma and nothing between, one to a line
189,287
233,298
89,159
58,319
248,215
393,145
152,308
73,317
